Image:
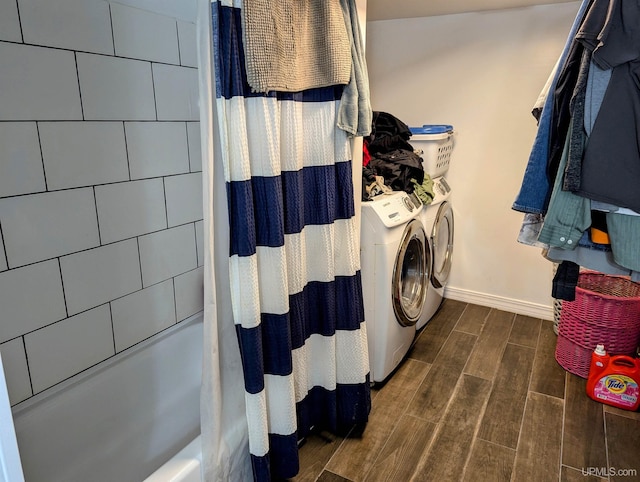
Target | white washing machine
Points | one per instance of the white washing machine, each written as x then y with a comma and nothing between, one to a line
437,220
394,277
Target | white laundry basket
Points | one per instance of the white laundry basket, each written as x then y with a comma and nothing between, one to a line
434,143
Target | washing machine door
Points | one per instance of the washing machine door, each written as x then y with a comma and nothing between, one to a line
442,245
410,276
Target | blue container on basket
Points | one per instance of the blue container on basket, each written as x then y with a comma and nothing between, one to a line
606,310
434,144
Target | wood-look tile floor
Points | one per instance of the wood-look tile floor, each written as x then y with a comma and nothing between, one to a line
480,397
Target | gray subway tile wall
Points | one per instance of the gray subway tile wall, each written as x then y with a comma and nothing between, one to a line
115,88
139,34
14,359
38,83
176,90
168,253
127,209
38,226
63,349
100,184
189,296
154,307
200,242
67,24
19,142
187,40
183,208
30,298
3,258
86,153
100,275
9,23
193,138
157,148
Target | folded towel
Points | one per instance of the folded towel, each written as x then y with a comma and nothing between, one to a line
294,45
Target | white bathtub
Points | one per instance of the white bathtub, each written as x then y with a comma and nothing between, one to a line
185,466
122,420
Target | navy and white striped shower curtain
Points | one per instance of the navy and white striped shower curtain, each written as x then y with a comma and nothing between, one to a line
294,260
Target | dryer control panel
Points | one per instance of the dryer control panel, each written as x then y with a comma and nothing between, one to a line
395,208
441,190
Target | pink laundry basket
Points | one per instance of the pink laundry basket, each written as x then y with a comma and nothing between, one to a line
606,310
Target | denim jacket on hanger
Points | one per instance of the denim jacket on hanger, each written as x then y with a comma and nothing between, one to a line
534,191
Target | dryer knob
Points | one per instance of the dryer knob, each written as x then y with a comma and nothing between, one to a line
408,204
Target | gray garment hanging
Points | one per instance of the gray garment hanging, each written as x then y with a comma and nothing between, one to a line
611,163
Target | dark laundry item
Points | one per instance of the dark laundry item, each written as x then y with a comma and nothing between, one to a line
594,24
387,134
618,40
577,134
611,163
610,167
599,220
392,156
398,168
561,108
598,230
368,178
565,281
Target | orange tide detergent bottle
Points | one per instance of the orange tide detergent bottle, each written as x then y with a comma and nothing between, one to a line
614,380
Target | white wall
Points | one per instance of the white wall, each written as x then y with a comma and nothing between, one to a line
481,72
100,184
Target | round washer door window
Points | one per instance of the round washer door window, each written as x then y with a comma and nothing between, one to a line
409,288
442,241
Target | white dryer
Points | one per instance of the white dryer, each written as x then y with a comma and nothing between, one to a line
394,277
437,220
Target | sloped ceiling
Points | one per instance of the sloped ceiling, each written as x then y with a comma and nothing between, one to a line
394,9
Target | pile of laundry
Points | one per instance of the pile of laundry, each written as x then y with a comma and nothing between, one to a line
390,162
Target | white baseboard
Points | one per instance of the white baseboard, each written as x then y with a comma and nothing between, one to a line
520,307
